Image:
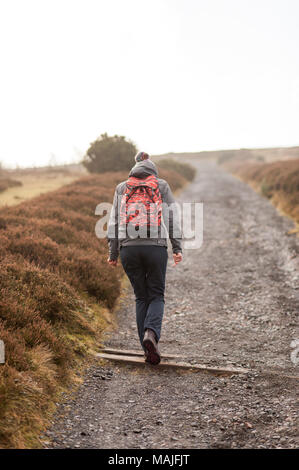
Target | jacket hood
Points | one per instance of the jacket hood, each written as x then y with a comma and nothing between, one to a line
143,169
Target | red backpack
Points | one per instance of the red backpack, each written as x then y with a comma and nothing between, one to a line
141,204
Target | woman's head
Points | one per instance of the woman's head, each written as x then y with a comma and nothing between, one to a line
140,156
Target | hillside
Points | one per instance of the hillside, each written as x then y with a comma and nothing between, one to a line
239,155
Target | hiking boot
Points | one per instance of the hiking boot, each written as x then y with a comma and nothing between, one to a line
146,359
151,347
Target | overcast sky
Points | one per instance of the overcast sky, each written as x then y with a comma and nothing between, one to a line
172,75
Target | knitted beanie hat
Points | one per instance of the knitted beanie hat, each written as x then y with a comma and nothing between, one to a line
140,156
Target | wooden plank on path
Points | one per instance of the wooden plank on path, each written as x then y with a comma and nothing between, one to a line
136,360
2,352
131,352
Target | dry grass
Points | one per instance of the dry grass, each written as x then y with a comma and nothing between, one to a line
32,185
7,183
278,181
56,294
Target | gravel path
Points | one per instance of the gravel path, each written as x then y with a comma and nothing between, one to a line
234,301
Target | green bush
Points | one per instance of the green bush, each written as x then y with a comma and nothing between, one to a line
110,154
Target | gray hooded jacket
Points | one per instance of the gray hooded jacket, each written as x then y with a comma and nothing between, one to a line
171,224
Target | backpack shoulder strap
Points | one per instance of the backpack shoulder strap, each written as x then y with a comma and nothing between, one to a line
149,193
130,194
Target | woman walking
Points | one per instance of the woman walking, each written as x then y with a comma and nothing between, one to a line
143,216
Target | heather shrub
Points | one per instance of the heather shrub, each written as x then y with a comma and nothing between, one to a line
55,284
174,179
183,169
42,252
50,260
278,181
93,276
59,232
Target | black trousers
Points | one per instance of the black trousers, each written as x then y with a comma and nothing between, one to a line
145,266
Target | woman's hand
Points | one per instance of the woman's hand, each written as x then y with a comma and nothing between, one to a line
112,262
177,258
